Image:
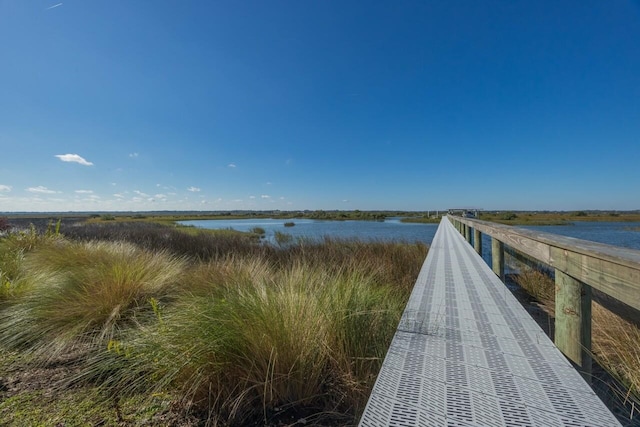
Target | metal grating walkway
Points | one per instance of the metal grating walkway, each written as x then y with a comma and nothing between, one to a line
466,353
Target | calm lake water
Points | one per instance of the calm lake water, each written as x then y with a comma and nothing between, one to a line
625,234
390,229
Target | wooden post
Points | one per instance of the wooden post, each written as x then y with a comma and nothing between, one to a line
477,241
497,257
467,233
573,321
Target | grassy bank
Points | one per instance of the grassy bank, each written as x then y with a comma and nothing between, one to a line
558,218
143,323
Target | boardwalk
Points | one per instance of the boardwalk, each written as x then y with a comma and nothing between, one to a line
466,353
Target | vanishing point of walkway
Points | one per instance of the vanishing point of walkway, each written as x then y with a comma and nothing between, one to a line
466,353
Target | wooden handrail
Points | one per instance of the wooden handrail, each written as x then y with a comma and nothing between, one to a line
579,266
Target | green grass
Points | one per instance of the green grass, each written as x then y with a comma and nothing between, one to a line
238,333
82,292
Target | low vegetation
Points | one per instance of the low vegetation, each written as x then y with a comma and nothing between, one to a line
557,218
143,323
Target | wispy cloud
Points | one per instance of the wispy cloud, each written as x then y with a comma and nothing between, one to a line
133,155
73,158
84,191
54,6
231,165
141,194
252,197
119,196
41,190
193,189
6,188
265,196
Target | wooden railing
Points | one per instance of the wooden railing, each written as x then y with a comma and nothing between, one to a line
579,265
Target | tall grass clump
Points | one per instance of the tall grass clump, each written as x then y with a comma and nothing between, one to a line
257,341
83,292
13,248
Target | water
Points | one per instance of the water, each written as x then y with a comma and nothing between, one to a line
389,230
625,234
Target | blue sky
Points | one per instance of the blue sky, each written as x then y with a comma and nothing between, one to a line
409,105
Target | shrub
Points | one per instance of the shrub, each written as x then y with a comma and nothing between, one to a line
4,223
258,230
282,239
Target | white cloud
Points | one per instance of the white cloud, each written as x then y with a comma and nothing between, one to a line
119,196
141,194
42,190
54,6
160,196
265,196
133,155
231,165
6,188
252,197
193,189
73,158
84,191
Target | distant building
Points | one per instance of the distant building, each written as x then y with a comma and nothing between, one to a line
465,212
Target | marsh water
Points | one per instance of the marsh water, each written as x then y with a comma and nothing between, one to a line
390,229
624,234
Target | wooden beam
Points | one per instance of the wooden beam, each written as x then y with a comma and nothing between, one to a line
477,241
497,257
573,320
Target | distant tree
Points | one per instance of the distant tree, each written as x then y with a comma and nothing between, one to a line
4,223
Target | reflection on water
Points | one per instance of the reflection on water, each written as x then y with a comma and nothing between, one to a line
389,230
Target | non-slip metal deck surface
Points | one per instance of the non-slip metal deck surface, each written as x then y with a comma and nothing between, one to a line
466,353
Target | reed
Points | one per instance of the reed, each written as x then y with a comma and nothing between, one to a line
81,292
236,333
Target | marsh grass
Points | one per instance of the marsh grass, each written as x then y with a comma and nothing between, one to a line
236,332
81,292
615,341
249,340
